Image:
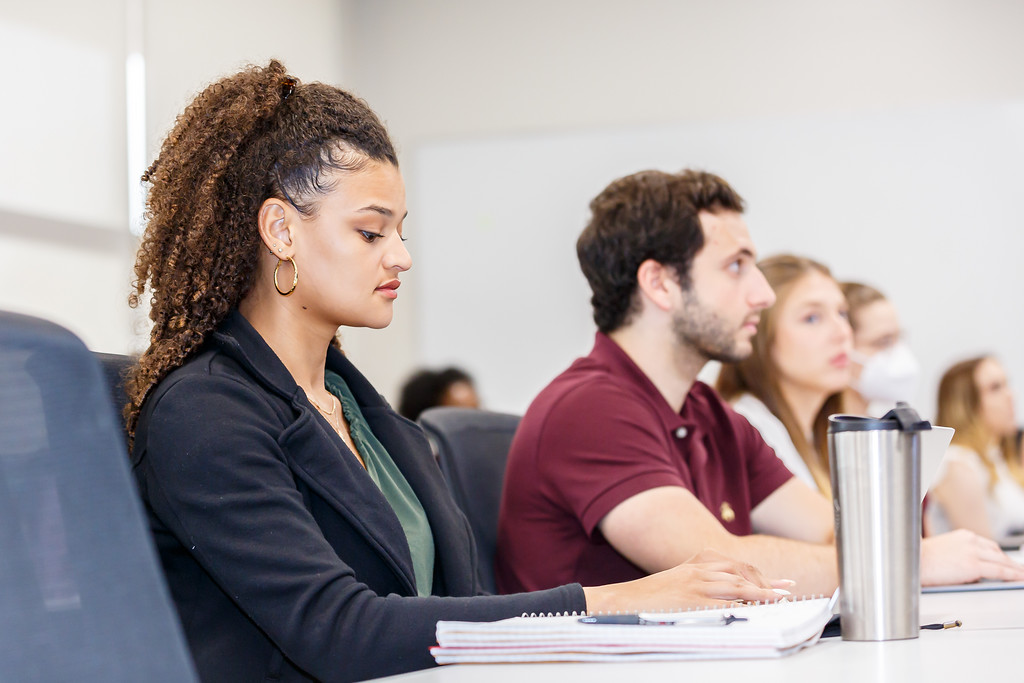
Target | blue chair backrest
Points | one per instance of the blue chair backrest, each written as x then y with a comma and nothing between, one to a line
82,597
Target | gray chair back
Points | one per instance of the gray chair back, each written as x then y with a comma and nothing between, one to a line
82,597
115,366
472,448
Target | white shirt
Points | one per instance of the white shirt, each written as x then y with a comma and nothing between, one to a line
1005,501
775,435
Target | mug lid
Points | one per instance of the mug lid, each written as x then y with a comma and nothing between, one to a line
902,417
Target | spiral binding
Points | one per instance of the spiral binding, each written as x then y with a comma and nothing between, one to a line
707,608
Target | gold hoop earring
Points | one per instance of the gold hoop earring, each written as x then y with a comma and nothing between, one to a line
295,276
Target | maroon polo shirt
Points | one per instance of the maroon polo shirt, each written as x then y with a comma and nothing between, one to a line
598,435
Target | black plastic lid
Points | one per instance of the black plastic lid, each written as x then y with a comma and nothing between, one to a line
902,417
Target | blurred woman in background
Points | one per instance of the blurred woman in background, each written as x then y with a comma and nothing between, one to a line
884,370
980,485
793,379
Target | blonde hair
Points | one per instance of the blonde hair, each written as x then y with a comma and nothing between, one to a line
960,408
858,295
757,374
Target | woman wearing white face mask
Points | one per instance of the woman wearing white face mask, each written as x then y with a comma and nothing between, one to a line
884,368
981,484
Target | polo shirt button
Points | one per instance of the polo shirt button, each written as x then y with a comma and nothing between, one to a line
681,433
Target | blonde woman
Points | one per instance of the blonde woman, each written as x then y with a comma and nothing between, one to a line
981,484
792,381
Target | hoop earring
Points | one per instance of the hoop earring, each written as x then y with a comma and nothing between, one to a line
295,276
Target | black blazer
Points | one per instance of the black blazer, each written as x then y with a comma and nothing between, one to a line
283,557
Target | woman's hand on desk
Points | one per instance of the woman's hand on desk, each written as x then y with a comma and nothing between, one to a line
963,556
707,579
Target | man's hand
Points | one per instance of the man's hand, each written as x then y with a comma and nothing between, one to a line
963,556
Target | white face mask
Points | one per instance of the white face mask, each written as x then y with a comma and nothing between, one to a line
887,376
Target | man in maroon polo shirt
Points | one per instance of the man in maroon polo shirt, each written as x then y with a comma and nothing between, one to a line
626,464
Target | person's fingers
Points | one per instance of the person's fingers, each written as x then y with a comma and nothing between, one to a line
1007,570
988,545
995,563
989,561
752,574
741,592
730,586
711,556
999,557
747,571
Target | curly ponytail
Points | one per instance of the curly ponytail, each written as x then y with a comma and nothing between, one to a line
246,138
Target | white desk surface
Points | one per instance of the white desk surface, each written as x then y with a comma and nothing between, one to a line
990,643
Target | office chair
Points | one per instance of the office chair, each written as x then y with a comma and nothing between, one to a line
114,366
81,594
472,448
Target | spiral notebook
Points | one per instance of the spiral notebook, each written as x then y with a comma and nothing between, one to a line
750,631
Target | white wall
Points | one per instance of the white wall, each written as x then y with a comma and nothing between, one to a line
901,200
454,69
64,171
443,70
314,39
190,43
62,175
489,73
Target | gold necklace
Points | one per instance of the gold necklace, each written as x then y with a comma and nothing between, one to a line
336,425
334,405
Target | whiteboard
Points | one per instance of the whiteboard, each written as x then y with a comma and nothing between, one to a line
923,204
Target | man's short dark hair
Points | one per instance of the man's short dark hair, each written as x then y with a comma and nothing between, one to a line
647,215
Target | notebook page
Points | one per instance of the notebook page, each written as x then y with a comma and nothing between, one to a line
764,631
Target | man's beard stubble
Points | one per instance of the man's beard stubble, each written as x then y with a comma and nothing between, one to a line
700,329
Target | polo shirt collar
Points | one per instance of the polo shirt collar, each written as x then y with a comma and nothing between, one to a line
622,367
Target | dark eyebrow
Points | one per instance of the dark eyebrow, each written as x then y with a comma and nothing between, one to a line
382,210
744,251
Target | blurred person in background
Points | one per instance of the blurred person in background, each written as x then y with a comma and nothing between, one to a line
980,485
884,369
430,388
799,367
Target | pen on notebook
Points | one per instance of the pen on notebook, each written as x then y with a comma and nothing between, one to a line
637,620
944,625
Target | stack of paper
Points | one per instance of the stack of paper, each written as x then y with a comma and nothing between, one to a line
771,630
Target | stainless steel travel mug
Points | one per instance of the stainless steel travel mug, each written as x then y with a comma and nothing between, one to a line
876,483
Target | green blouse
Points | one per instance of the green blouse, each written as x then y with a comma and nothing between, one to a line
392,484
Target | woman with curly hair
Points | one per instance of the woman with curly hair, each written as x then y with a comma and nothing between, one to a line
303,526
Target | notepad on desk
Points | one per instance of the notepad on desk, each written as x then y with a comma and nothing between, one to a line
752,631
